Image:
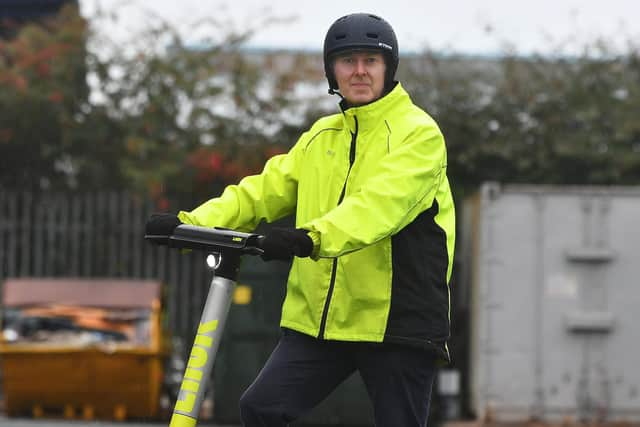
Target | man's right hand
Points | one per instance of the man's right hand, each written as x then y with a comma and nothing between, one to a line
161,224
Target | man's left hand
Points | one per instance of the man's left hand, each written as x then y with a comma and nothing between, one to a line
285,243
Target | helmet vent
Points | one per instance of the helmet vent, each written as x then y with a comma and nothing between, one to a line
341,36
372,35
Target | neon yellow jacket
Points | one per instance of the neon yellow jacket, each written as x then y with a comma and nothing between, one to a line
370,185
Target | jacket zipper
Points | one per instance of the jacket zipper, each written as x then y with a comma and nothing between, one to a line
334,268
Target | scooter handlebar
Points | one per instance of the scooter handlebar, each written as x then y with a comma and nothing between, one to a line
210,239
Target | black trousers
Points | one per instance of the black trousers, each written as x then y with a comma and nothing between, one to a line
302,371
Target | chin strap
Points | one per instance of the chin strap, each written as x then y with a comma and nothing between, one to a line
332,91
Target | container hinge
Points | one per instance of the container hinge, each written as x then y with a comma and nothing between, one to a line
590,322
590,255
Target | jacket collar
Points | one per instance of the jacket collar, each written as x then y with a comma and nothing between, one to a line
372,114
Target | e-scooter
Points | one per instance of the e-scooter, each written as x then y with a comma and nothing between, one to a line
225,247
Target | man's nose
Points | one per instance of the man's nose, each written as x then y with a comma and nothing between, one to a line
360,67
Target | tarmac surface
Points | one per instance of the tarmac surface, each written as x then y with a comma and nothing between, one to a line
27,422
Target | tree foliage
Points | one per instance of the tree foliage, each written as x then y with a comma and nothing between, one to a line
160,118
42,88
546,120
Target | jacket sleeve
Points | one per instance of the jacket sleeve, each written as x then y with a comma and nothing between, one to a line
403,185
268,196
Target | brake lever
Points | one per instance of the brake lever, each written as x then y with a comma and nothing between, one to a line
255,247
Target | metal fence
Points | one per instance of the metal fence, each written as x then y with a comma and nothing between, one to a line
98,235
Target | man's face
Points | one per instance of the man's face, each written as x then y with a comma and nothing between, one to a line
360,76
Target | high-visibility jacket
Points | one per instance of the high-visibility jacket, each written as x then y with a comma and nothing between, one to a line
370,185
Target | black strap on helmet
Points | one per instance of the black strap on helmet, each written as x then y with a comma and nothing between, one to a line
360,31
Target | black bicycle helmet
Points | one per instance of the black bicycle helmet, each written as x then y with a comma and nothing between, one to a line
361,31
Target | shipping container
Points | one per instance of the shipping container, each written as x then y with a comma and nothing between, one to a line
554,275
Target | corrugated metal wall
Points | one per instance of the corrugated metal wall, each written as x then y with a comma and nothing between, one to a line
555,294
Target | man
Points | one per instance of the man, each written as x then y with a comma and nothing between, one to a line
373,248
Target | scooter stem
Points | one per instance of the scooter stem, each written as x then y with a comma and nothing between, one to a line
206,343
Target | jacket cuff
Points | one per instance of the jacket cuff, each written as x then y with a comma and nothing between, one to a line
186,218
315,238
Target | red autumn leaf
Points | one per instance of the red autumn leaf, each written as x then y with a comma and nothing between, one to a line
56,97
215,161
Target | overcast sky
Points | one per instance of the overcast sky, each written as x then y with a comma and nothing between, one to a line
465,26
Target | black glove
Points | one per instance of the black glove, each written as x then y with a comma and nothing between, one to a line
283,243
161,225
